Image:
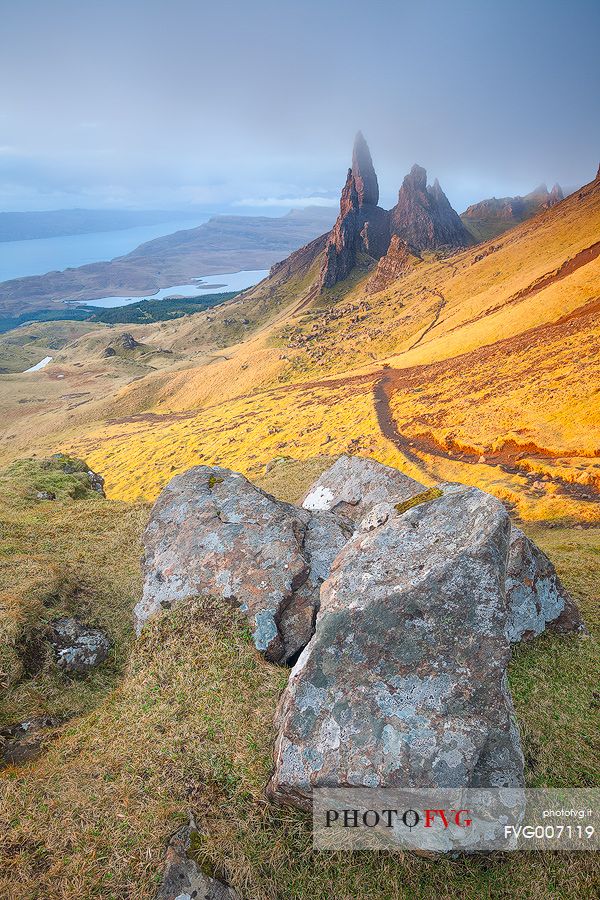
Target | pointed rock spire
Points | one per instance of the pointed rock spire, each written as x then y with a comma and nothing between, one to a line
423,216
556,195
362,228
363,172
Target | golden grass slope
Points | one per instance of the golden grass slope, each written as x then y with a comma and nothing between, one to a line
481,367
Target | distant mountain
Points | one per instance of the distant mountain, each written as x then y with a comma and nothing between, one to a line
223,244
492,217
26,226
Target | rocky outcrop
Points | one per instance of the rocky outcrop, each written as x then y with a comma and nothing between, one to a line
363,172
535,596
362,227
555,196
490,218
128,342
398,261
423,216
404,683
213,533
78,648
183,879
354,485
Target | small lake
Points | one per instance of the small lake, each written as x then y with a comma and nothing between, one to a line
209,284
41,255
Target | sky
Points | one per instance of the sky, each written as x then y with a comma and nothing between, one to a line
249,105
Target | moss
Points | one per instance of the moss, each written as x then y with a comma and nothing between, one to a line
62,475
214,480
431,494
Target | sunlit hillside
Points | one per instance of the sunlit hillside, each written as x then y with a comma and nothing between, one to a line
476,367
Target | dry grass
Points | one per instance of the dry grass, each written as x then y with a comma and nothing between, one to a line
65,557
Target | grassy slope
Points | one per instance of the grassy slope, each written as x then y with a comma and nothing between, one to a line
190,727
64,557
294,380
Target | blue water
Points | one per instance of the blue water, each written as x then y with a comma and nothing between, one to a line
36,257
211,284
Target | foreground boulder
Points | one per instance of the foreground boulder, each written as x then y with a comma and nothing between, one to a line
404,683
183,879
354,485
370,493
212,532
535,595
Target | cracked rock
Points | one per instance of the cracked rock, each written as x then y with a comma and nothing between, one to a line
405,681
213,533
354,486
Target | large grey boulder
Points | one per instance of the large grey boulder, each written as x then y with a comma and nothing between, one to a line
354,485
183,879
211,532
535,596
404,683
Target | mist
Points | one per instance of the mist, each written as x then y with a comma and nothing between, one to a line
240,107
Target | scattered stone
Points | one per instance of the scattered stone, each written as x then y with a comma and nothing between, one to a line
24,741
78,648
404,682
96,482
535,596
354,485
183,879
45,495
109,351
275,462
213,533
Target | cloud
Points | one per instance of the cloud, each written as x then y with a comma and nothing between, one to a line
287,201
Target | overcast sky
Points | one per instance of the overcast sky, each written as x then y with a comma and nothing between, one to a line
237,104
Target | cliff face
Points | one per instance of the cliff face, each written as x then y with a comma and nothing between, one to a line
555,196
423,216
492,217
362,226
423,219
397,261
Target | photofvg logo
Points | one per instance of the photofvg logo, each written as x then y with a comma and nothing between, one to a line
393,818
455,820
